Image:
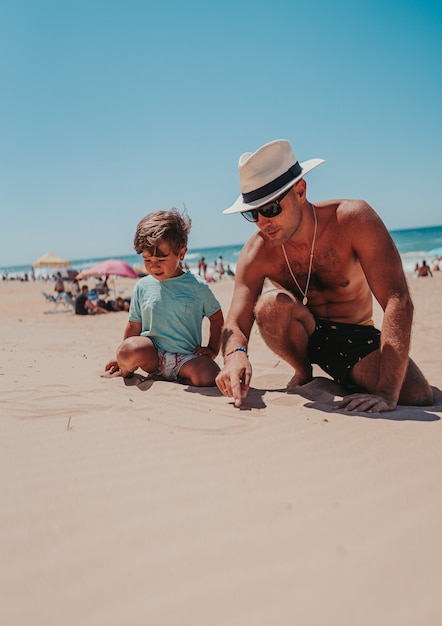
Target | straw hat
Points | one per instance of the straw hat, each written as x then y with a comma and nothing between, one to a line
267,173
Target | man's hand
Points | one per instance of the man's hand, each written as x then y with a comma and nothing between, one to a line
366,402
234,380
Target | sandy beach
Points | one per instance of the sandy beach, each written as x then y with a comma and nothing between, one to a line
153,503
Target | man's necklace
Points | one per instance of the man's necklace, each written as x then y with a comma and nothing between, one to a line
304,293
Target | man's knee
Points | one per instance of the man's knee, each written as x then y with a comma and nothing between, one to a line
278,312
416,390
271,308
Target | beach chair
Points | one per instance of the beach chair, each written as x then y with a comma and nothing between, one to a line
60,303
66,298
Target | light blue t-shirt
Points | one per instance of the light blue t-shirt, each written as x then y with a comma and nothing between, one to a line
171,311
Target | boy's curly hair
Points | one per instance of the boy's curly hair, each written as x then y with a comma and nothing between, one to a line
160,226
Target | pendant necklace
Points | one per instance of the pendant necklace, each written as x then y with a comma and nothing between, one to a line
304,293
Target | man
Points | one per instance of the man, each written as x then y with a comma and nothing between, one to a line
424,270
59,284
324,263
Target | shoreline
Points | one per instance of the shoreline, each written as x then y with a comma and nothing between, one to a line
414,245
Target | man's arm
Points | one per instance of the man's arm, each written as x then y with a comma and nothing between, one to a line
234,378
383,269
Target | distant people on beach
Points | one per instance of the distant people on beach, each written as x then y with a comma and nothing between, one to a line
59,283
436,265
307,276
219,267
85,306
76,287
120,304
202,267
424,270
163,335
102,287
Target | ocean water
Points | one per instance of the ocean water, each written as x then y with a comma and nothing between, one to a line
418,244
414,246
229,253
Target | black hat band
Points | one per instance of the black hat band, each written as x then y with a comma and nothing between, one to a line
274,185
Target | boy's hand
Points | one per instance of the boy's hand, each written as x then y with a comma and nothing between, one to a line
113,368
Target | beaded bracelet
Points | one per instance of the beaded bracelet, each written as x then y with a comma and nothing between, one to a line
239,349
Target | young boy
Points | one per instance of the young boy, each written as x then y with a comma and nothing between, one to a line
163,334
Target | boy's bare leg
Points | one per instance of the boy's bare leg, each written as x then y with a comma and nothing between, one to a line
137,352
200,372
285,326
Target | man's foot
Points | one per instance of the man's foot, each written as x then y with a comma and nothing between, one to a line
297,381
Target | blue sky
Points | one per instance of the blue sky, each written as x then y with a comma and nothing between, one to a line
112,109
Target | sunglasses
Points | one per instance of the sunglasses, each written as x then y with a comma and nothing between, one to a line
272,209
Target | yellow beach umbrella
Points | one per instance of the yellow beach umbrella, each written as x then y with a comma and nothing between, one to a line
50,260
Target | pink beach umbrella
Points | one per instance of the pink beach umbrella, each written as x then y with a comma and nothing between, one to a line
110,267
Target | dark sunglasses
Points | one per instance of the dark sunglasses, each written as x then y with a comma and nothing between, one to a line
272,209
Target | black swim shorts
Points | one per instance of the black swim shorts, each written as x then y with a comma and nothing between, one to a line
337,347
